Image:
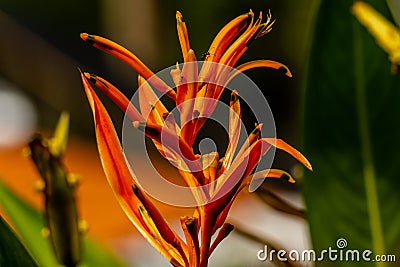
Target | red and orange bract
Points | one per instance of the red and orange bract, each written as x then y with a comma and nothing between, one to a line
230,173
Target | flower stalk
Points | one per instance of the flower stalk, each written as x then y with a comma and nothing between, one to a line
63,227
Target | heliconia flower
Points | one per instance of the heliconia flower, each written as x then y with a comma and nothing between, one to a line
221,177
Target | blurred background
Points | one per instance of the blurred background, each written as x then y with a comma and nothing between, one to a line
41,51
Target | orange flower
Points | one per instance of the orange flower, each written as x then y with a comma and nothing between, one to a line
197,89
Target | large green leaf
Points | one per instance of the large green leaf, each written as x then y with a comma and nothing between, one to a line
351,125
12,252
28,223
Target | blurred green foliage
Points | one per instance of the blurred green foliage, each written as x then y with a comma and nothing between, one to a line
29,224
350,130
12,252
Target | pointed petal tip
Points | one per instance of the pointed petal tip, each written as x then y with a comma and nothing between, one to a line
309,166
257,128
140,80
83,77
303,160
84,36
90,77
190,56
87,75
280,144
83,74
88,88
284,69
58,143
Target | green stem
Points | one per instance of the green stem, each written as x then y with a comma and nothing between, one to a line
366,149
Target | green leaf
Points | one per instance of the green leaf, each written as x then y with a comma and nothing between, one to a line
350,129
28,223
395,9
12,252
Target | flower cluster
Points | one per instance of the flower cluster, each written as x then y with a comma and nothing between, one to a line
220,177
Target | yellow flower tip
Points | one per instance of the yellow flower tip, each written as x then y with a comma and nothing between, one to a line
39,186
190,54
251,13
26,152
260,16
45,232
83,226
87,75
179,16
177,68
141,80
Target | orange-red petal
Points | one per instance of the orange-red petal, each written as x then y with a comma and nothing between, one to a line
182,34
186,94
148,100
280,144
115,166
273,173
129,58
116,96
227,34
262,63
234,130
